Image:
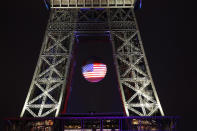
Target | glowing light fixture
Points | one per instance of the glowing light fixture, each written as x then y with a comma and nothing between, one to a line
140,3
94,72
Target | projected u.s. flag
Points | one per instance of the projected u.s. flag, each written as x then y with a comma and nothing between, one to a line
94,72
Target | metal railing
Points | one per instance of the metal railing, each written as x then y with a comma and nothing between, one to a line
92,3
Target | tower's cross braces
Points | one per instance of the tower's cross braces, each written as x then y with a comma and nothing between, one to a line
49,82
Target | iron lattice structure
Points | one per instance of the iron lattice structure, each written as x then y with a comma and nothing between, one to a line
47,90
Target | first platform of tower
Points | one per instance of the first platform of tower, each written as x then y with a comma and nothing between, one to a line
91,3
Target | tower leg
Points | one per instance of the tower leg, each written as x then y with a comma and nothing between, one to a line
137,88
49,81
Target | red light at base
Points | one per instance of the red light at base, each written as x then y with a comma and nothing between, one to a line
94,72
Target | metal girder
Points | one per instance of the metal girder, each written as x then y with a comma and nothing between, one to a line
136,85
92,3
47,89
49,81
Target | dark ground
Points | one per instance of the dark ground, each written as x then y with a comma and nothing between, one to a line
167,30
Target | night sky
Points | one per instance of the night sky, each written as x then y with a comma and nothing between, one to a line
167,31
86,97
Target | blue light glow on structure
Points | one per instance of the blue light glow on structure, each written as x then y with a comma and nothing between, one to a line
140,3
46,5
84,8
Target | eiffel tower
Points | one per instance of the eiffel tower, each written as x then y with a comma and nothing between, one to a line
72,18
91,65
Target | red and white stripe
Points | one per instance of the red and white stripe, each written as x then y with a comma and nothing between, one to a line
98,73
